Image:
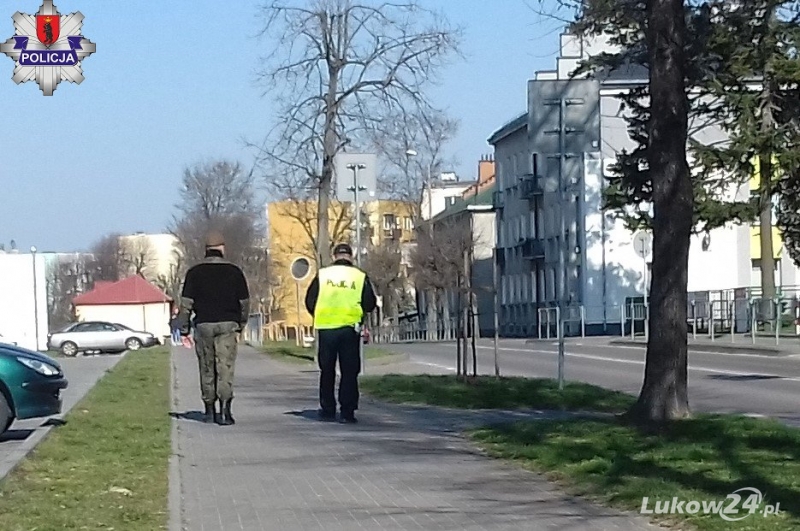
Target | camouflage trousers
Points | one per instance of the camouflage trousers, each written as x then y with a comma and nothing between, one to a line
215,344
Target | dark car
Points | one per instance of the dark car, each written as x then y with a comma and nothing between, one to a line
30,385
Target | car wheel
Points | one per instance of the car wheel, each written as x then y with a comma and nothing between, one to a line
6,415
69,349
133,344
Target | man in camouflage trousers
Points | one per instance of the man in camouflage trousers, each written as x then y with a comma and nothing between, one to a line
216,291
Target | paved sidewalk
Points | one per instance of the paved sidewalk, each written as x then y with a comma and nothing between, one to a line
82,373
399,468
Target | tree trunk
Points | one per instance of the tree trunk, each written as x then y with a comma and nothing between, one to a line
765,226
329,147
766,171
459,333
664,393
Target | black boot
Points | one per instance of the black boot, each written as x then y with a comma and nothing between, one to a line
227,417
210,413
218,414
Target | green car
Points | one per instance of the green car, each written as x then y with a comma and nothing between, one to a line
30,385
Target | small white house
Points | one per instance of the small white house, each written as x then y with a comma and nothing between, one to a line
133,302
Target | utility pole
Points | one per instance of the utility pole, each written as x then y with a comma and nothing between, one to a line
35,300
356,188
563,236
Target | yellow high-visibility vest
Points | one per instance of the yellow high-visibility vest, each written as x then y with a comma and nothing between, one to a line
339,300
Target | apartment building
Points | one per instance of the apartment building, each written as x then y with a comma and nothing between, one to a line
555,244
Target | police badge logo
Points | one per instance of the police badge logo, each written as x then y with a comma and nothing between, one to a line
48,48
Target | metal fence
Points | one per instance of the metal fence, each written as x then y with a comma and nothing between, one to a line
713,318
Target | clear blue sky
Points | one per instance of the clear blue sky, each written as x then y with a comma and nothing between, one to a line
173,84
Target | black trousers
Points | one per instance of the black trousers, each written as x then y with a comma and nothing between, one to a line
341,344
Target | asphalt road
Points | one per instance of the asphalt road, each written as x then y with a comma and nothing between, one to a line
726,383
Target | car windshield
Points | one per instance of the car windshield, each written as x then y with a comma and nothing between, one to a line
123,326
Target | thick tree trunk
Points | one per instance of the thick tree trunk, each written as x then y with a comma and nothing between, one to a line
765,226
664,392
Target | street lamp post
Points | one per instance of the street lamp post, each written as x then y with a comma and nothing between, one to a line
356,188
35,300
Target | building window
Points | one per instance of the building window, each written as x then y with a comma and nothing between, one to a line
389,222
409,223
524,289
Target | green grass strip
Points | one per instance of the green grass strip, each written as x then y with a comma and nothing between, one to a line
705,458
490,393
107,468
288,351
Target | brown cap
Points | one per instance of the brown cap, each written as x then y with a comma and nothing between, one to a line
214,238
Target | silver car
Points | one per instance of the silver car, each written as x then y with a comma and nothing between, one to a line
98,336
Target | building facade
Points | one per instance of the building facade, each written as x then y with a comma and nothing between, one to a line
556,245
291,232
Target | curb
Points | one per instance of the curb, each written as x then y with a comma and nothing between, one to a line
42,431
719,348
175,487
390,359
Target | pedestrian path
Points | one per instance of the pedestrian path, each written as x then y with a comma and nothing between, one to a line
400,468
82,374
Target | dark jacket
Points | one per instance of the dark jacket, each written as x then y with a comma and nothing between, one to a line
216,291
368,299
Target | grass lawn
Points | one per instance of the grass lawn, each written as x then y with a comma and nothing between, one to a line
107,468
289,351
490,393
703,458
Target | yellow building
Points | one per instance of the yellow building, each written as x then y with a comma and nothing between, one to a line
388,220
291,233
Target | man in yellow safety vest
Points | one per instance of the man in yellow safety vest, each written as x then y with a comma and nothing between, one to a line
338,298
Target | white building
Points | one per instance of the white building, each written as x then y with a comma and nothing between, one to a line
442,194
23,300
601,271
133,302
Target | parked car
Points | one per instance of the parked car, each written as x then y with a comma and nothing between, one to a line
100,337
30,385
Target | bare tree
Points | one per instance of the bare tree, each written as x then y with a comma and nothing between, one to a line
441,265
66,278
412,144
108,258
383,265
172,282
337,69
138,256
217,195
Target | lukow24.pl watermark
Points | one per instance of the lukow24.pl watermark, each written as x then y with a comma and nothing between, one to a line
736,506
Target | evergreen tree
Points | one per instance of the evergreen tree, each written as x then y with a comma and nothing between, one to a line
752,95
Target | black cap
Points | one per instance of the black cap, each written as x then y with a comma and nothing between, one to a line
343,248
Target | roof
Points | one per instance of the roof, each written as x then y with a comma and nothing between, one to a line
131,290
514,125
480,201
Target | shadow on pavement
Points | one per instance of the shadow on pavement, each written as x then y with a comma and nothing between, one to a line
15,435
196,416
309,414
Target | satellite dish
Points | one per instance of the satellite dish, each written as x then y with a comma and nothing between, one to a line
642,243
300,268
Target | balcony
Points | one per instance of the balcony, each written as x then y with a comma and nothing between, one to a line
530,187
533,249
497,199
